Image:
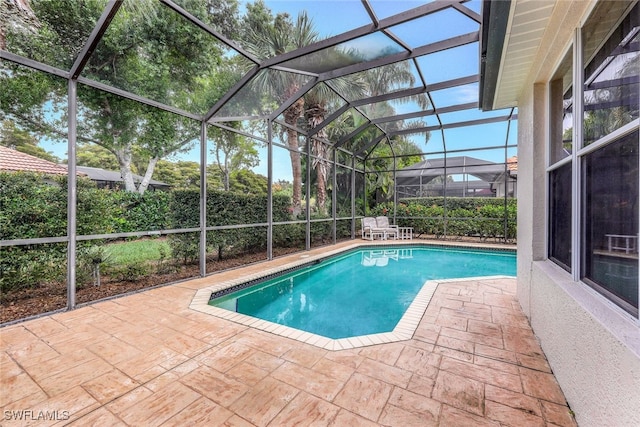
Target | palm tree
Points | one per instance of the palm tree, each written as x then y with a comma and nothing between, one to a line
271,40
316,103
371,83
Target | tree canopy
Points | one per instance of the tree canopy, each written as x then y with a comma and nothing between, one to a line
152,52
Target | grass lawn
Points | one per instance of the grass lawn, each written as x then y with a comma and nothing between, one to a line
137,251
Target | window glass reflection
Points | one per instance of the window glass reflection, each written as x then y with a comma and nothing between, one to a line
610,208
611,85
560,200
561,100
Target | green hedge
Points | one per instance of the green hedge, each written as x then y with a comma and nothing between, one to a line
36,206
141,212
225,208
478,216
470,203
32,206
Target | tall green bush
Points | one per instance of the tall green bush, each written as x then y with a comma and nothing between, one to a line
224,208
141,212
35,206
481,217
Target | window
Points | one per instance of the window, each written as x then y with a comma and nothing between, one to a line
605,153
610,226
609,236
611,66
560,216
560,148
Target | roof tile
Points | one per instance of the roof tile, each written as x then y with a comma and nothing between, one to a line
15,161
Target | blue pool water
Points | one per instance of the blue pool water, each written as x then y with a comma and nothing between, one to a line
361,292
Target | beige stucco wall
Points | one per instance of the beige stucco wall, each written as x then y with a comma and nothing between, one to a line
583,336
592,346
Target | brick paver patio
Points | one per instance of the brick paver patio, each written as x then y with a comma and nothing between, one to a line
147,359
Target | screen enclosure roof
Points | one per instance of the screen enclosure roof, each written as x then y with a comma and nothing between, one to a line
378,70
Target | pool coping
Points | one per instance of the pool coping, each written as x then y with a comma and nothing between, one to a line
404,330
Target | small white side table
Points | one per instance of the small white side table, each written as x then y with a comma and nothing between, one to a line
405,233
622,242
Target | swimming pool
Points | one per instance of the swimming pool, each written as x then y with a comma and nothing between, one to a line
366,291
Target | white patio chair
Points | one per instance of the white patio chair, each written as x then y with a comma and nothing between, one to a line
370,229
382,223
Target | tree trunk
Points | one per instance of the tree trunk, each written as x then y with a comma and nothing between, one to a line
320,166
226,174
321,188
147,175
124,160
296,170
18,12
3,39
315,115
291,116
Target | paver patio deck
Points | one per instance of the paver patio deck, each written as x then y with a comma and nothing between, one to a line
147,359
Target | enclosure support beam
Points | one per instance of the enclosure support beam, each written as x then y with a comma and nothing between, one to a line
203,199
307,187
402,56
444,186
94,38
269,190
353,197
351,135
194,20
334,197
389,22
365,208
72,198
395,193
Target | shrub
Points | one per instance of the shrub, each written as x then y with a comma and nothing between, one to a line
225,208
35,206
481,217
89,263
30,265
130,272
140,212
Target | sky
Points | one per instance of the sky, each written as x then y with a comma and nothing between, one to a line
333,17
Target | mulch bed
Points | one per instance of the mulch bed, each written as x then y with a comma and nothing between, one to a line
53,296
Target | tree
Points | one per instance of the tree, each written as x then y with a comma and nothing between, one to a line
23,141
232,152
371,83
282,187
148,50
277,36
248,182
180,175
95,156
316,102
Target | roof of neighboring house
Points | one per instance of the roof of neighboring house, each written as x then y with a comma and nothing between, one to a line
429,169
14,161
98,174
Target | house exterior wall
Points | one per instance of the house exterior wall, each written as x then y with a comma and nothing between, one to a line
511,187
592,345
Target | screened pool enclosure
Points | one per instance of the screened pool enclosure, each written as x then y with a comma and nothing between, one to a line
275,125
